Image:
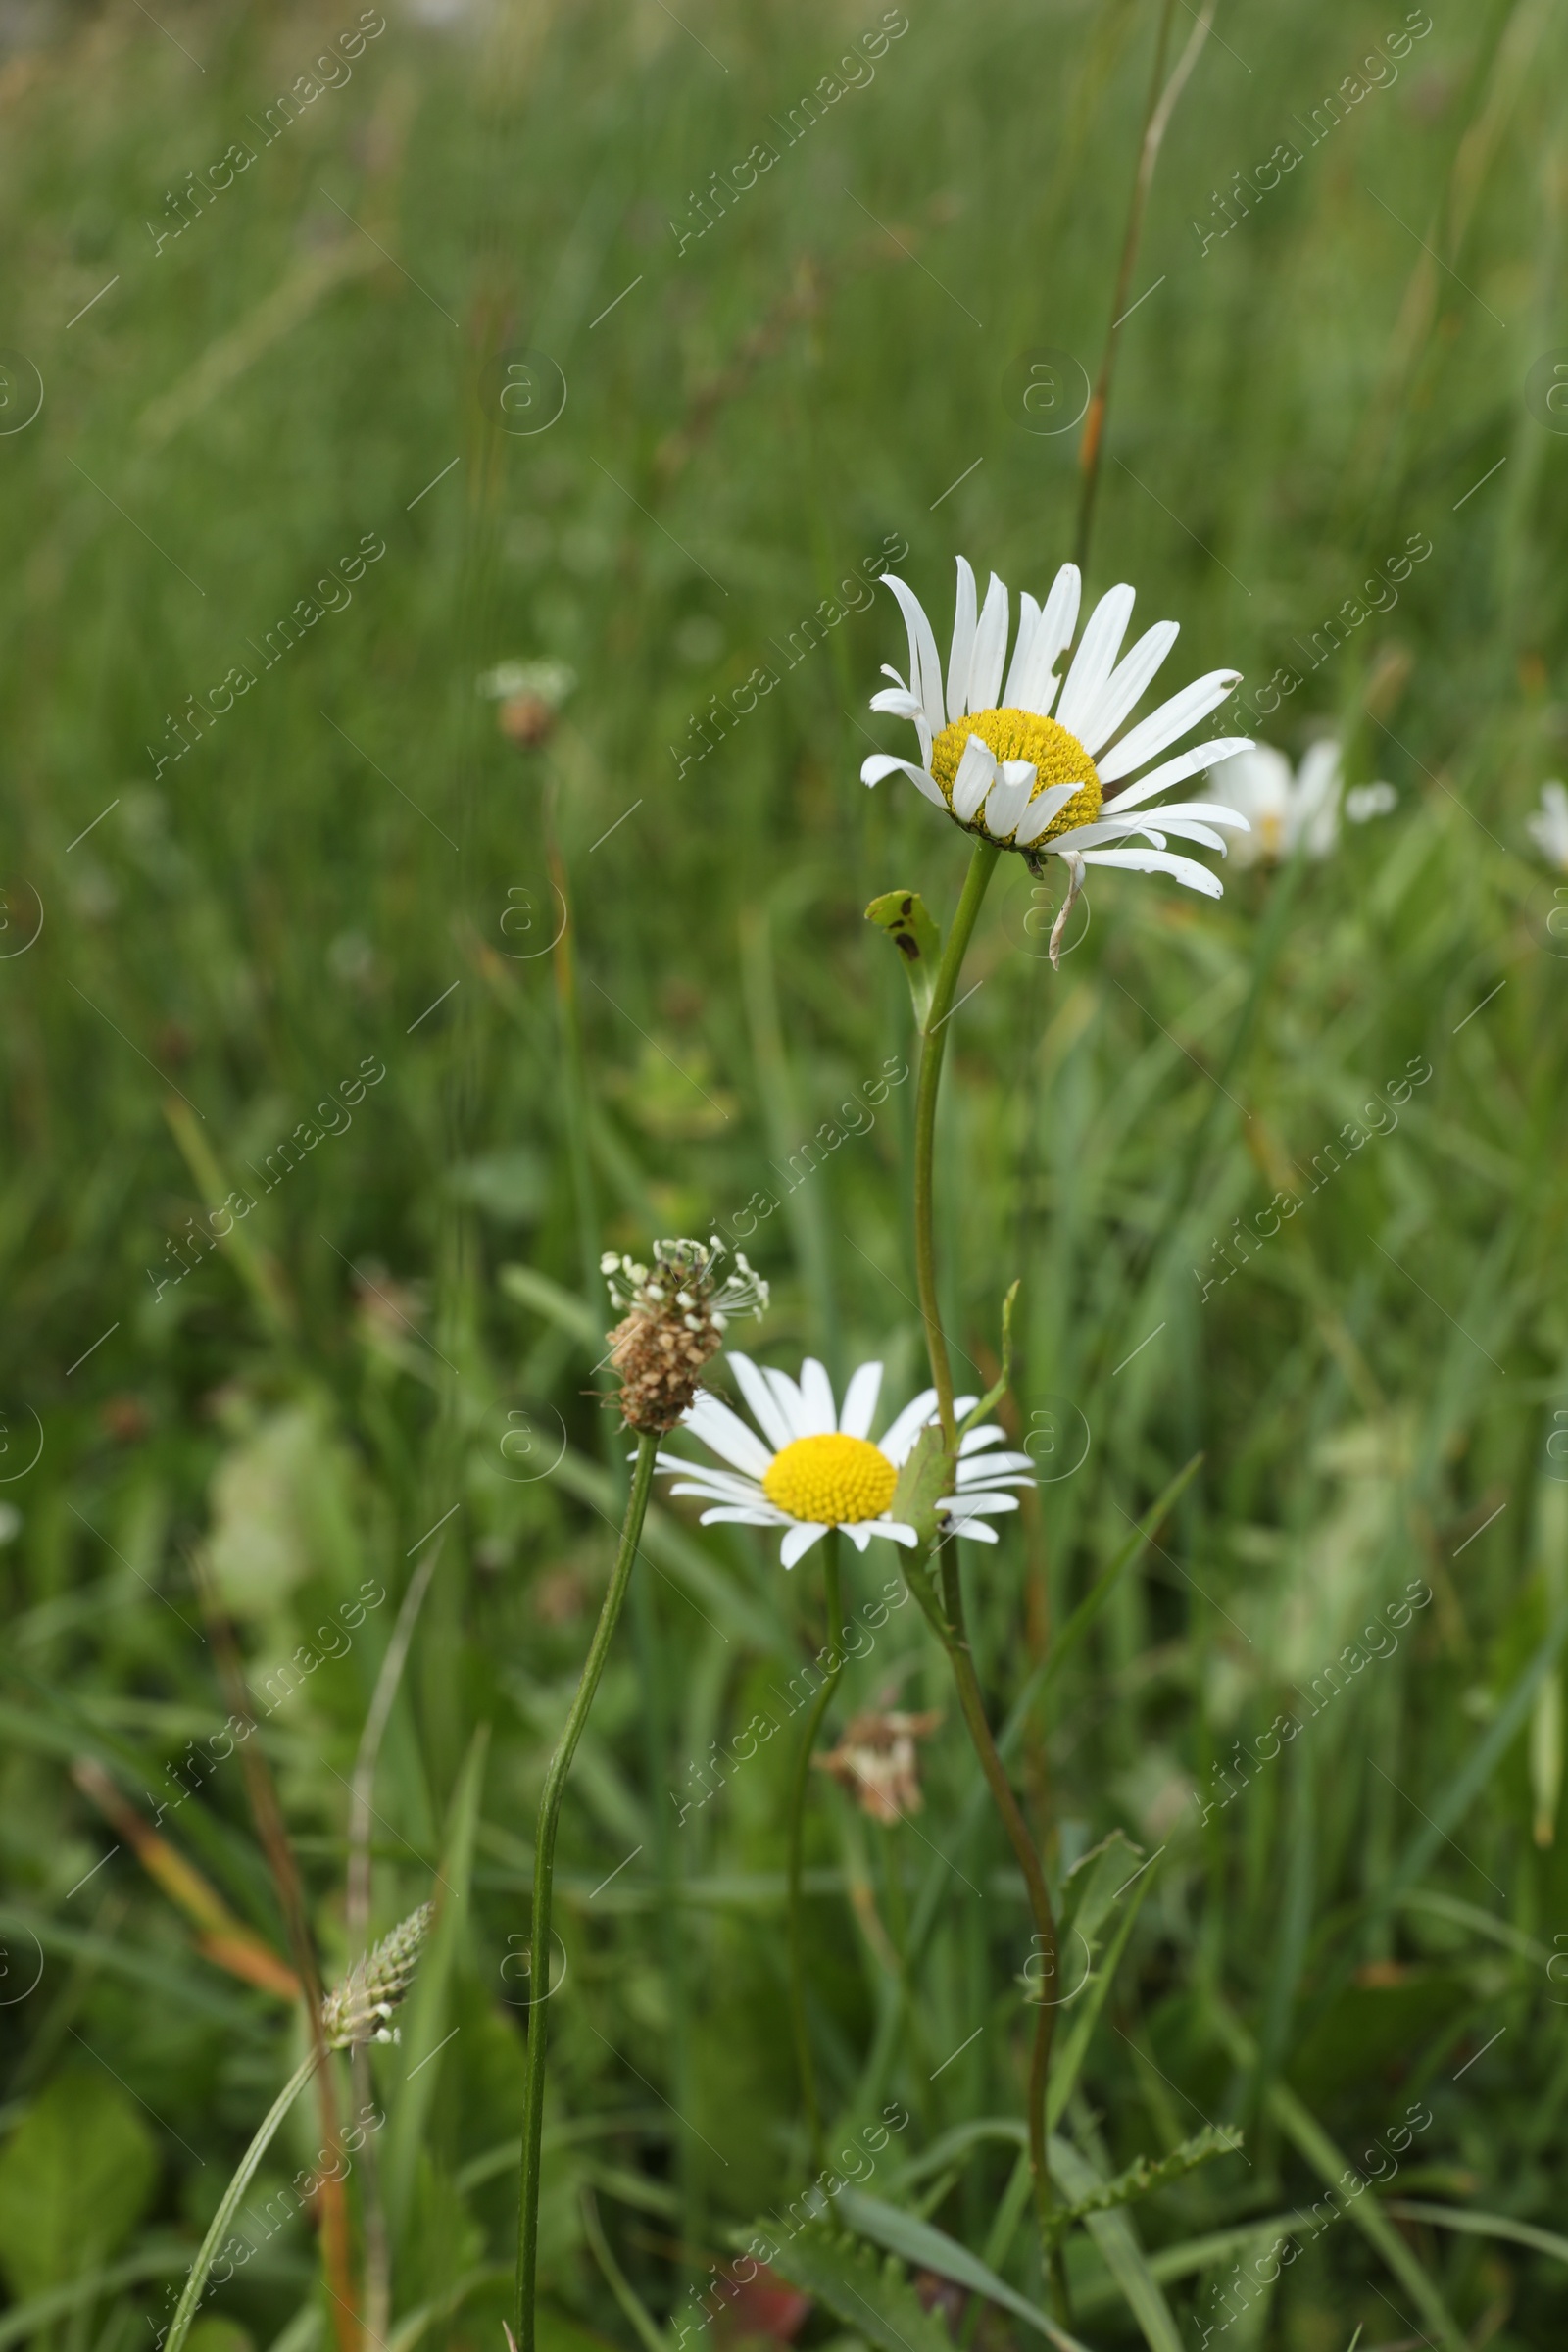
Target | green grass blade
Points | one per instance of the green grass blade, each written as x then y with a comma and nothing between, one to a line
1117,2241
425,2020
190,2297
931,2249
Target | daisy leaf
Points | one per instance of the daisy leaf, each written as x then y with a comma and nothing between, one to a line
903,915
1001,1386
926,1476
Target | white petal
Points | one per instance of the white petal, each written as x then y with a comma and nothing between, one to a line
1008,797
897,1441
959,1507
1193,764
802,1535
739,1518
977,1439
1186,828
859,1533
1042,809
893,1529
883,764
962,641
753,1383
925,671
1172,718
990,650
725,1433
1211,812
974,1531
860,1401
787,1397
962,1404
719,1485
899,700
1125,686
1186,871
1037,684
818,1412
1028,622
1094,658
973,780
1111,827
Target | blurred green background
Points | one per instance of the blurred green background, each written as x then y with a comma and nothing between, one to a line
612,988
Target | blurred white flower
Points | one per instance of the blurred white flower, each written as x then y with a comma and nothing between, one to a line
1548,824
1282,807
551,681
1365,801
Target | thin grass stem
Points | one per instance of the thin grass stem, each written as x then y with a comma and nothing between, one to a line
933,1045
797,1844
950,1623
544,1867
191,2294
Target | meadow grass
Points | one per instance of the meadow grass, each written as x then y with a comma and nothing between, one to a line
352,870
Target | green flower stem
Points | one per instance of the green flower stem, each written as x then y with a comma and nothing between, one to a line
933,1044
544,1867
185,2309
797,1838
950,1619
972,1706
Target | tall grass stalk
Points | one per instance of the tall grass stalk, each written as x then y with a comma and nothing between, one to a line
800,1781
950,1621
191,2294
544,1868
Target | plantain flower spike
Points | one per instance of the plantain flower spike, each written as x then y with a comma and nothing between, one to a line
357,2010
676,1316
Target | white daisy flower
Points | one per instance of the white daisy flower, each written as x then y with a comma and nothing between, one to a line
996,760
1363,801
814,1467
1548,824
1284,809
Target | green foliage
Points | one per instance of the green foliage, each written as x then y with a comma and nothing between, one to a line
872,2296
76,2178
1145,2174
902,914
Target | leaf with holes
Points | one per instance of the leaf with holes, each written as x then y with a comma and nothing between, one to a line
902,914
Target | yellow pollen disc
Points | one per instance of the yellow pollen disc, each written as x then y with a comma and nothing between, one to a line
833,1480
1058,759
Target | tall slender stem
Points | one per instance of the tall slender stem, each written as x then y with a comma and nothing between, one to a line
1156,115
229,2204
933,1044
949,1621
797,1841
544,1869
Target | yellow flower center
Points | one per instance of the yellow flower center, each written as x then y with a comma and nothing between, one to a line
831,1481
1058,759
